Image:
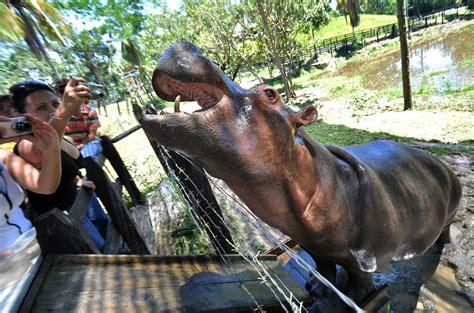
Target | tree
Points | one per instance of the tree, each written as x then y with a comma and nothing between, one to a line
36,22
278,24
405,57
351,8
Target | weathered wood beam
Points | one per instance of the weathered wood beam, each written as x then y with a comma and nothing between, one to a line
79,207
58,233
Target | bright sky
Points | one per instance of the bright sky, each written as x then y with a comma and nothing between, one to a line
173,4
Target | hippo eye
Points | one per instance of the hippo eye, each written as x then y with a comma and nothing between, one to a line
270,93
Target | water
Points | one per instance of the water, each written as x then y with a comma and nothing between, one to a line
444,62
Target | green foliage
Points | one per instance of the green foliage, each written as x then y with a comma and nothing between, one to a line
470,4
31,68
189,238
421,7
380,7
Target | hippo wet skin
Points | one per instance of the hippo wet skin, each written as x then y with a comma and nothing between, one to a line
359,207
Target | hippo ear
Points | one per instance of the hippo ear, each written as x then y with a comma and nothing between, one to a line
306,116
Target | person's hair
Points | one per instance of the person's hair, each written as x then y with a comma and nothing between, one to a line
60,85
19,92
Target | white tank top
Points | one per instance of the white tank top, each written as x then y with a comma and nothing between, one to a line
12,220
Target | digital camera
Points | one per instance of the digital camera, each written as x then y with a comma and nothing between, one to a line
17,126
96,90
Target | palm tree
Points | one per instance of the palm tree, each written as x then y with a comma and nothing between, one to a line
36,22
405,57
351,8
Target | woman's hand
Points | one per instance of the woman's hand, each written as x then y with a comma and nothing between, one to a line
86,184
75,94
45,137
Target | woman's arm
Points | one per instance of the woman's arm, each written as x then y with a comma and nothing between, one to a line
43,181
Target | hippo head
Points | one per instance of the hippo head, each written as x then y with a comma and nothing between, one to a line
245,134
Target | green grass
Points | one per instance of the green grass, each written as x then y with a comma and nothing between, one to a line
434,73
469,63
342,135
337,26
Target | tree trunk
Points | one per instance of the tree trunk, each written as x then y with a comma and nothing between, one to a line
276,51
405,57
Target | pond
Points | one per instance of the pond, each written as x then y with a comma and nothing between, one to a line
444,62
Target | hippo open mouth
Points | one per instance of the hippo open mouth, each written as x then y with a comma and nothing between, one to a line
184,74
207,96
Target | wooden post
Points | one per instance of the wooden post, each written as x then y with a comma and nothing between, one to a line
125,133
119,214
196,188
114,158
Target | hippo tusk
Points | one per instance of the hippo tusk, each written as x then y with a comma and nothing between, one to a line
176,104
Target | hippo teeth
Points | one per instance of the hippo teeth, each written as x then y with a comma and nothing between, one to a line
177,103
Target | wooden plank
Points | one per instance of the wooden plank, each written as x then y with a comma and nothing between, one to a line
157,284
35,287
141,215
119,214
113,240
144,259
230,297
129,276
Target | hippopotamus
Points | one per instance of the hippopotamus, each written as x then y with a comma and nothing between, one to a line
360,207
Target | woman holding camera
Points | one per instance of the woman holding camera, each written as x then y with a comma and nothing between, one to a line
82,127
16,173
38,99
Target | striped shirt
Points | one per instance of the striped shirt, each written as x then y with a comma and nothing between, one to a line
79,125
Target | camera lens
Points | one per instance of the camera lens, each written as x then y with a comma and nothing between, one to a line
97,94
22,126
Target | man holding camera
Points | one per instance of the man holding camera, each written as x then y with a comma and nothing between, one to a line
82,127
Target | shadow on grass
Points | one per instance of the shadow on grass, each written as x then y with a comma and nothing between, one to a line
342,135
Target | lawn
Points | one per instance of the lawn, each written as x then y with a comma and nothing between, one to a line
338,26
